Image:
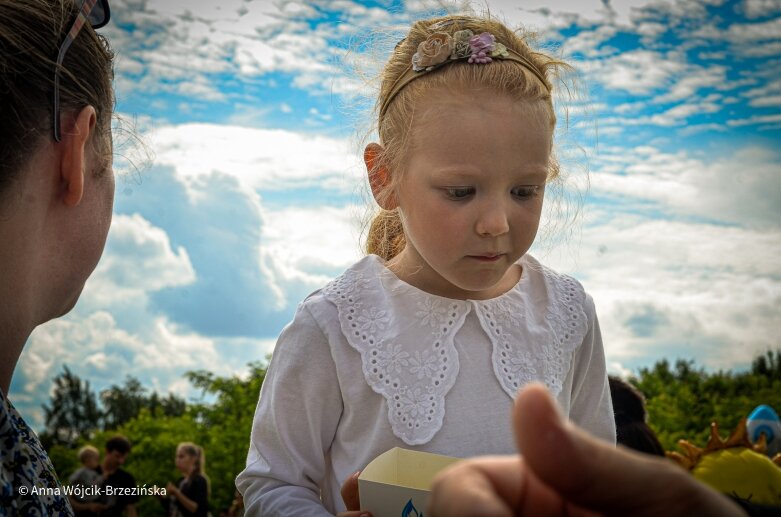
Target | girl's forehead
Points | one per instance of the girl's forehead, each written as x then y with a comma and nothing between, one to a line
484,125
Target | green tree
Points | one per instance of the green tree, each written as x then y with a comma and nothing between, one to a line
73,413
229,422
220,422
123,403
684,400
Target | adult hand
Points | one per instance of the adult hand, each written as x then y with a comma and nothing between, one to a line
564,471
351,498
171,489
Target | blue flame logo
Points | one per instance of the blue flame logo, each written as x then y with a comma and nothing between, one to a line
410,510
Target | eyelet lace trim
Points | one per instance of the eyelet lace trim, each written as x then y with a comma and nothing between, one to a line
521,353
413,377
415,374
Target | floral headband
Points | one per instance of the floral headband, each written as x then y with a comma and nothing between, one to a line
441,48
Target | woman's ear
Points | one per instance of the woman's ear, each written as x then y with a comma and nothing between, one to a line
379,177
73,162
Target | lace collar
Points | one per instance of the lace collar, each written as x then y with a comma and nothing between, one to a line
405,337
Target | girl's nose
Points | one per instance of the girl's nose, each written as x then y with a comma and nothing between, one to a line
492,222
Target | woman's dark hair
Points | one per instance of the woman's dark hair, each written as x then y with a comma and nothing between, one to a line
632,429
31,32
118,443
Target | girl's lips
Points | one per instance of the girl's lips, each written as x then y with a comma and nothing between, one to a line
487,258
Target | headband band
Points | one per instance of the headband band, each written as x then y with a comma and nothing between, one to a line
441,48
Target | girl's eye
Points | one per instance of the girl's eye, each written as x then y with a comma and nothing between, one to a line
525,191
459,192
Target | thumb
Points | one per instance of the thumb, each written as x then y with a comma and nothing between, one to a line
598,476
350,494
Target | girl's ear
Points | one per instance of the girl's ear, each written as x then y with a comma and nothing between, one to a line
73,162
379,177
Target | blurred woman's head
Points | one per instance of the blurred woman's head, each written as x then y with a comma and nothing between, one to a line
56,193
190,459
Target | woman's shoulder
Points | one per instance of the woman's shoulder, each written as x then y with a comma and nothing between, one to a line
199,480
29,466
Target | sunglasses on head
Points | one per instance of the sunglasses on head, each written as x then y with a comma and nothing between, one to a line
97,14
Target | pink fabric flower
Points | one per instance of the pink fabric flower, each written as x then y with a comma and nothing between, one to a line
435,50
481,46
482,43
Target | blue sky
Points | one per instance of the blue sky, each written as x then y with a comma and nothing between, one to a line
240,189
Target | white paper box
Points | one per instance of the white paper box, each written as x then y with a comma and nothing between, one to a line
397,482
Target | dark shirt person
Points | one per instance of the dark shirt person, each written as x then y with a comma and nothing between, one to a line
632,429
189,496
117,481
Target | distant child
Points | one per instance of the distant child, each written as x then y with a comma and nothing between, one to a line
89,481
424,342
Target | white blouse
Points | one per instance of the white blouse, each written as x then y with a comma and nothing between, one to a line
371,362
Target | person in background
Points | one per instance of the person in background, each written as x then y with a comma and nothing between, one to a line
56,199
189,496
87,477
117,451
237,506
632,429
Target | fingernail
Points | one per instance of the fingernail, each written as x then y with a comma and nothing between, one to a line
357,473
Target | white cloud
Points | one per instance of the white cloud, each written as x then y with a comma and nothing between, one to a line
754,39
666,289
761,8
771,101
754,120
180,47
675,116
651,31
630,107
693,129
692,80
769,49
677,10
754,33
769,88
587,42
637,71
259,158
680,113
743,188
139,258
95,347
293,236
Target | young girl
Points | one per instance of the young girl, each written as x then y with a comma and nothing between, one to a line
424,343
190,495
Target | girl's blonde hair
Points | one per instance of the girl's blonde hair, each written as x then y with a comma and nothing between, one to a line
386,236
